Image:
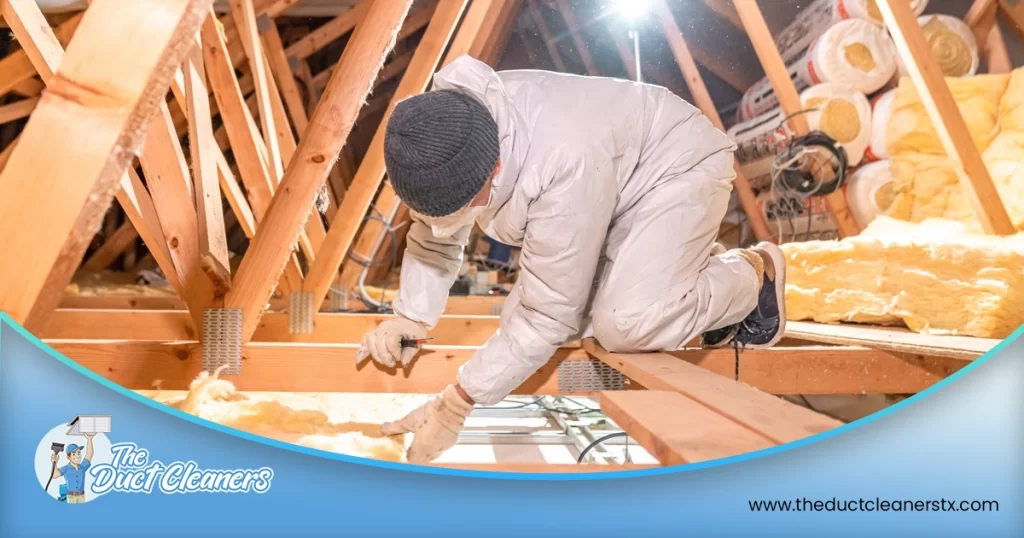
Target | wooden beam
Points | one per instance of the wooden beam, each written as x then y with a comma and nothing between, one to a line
577,36
18,110
329,32
891,339
769,416
34,34
274,48
112,248
702,99
545,34
18,67
371,172
213,244
1014,11
997,58
496,30
245,21
328,128
68,176
289,367
138,207
677,430
949,124
168,179
789,100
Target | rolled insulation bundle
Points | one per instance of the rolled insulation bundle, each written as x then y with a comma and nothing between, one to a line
952,44
854,53
842,114
869,191
757,141
821,15
881,111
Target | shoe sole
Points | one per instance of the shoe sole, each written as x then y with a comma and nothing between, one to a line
728,340
779,260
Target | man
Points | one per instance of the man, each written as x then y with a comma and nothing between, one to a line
614,190
74,471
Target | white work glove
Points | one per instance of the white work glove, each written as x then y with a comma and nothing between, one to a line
384,343
435,425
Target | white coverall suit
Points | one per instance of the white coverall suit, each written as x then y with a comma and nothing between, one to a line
615,191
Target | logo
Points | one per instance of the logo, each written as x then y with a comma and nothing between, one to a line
77,463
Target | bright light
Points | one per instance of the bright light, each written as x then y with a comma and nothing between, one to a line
631,10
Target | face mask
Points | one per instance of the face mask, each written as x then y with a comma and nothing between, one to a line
448,225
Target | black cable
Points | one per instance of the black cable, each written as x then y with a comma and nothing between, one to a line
599,441
793,179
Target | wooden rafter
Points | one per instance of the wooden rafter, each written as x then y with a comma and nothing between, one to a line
949,124
18,68
371,172
545,34
703,101
115,245
317,151
75,183
789,100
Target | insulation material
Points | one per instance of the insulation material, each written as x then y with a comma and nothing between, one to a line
342,423
881,111
757,140
925,183
952,45
855,53
842,114
821,15
910,129
934,277
870,192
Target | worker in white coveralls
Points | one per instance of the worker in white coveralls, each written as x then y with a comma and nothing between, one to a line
615,191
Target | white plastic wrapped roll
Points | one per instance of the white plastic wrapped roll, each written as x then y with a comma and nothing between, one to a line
842,114
854,53
952,44
756,141
821,15
881,111
869,191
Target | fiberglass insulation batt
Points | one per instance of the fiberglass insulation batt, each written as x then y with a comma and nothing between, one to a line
935,277
924,181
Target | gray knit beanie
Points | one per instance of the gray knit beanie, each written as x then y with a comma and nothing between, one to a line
439,148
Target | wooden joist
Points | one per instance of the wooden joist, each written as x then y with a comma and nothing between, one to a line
677,430
569,16
289,367
328,128
545,34
771,417
371,172
949,124
19,67
891,339
68,176
546,467
112,248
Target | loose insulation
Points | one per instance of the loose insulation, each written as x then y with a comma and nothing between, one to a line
820,15
854,53
343,423
934,277
952,45
925,182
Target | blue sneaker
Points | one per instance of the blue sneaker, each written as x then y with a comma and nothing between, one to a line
718,337
766,325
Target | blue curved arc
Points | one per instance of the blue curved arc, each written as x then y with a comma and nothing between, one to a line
427,469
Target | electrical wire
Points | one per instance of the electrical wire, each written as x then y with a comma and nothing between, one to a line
601,440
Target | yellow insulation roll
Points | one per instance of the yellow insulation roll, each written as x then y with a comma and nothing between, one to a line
952,45
842,114
869,192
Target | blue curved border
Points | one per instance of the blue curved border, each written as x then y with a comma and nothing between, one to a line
603,475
